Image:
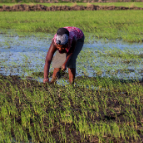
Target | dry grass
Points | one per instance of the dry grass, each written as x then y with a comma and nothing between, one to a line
89,4
132,5
31,4
74,4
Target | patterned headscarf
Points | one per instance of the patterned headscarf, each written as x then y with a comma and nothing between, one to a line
62,36
62,39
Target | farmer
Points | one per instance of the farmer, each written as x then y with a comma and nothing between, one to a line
67,43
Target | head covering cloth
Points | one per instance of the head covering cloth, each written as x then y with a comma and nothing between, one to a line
62,36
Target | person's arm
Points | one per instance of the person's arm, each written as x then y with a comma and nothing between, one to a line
69,54
48,60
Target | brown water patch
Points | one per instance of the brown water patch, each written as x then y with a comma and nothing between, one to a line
38,7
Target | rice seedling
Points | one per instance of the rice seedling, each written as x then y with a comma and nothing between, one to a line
120,25
95,109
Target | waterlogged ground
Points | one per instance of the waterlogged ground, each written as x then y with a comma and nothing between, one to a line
35,112
25,54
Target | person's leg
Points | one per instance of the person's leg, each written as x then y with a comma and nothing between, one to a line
72,72
72,62
55,74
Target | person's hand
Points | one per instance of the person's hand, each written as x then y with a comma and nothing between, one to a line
45,80
64,67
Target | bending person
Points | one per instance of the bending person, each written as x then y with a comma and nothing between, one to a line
67,43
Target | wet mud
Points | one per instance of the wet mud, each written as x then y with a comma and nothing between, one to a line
38,7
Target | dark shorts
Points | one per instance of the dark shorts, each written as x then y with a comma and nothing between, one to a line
59,58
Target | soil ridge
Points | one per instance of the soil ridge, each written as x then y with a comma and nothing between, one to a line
38,7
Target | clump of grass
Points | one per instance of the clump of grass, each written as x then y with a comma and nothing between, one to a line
32,4
74,4
132,5
89,4
128,55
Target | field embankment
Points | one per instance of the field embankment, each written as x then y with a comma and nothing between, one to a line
66,1
125,4
38,7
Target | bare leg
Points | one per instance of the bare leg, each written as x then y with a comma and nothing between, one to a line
72,72
54,76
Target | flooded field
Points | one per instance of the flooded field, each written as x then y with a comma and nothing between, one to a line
104,106
25,55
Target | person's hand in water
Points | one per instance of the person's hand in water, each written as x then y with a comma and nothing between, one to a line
64,67
46,80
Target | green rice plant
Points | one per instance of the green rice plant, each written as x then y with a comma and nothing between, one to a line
66,117
62,134
119,24
23,118
48,109
115,130
83,126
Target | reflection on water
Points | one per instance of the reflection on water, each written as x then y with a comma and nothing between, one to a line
25,55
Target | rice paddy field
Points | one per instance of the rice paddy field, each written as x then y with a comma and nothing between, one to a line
105,105
125,25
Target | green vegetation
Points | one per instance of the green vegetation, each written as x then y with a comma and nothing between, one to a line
100,109
126,25
50,113
95,109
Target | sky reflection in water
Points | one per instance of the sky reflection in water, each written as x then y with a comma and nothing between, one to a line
20,53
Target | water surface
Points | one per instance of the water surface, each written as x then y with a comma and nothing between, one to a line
23,55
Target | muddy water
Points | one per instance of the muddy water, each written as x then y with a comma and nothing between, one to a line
23,55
